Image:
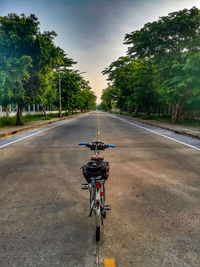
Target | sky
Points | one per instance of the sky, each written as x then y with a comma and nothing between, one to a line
92,31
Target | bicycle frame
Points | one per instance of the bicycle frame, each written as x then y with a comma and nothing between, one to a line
97,195
96,186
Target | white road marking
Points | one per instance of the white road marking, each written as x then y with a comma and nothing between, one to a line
155,132
43,130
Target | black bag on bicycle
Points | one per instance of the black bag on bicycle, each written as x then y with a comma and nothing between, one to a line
96,169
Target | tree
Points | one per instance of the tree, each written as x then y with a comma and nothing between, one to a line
120,74
86,99
28,56
182,82
173,33
17,33
71,85
107,99
132,84
167,42
144,95
76,92
47,92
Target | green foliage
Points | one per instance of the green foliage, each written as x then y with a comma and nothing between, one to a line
76,92
86,99
5,121
30,117
107,98
132,85
27,59
173,33
162,66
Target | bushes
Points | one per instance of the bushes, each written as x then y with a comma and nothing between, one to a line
4,121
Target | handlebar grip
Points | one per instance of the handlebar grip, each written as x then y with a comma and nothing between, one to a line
82,144
111,146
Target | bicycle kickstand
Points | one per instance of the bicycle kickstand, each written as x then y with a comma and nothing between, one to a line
90,214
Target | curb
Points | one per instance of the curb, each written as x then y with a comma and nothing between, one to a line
36,126
160,126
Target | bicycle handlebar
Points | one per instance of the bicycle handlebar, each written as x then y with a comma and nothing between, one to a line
96,145
111,145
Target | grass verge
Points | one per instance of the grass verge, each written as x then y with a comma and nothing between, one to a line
165,119
6,121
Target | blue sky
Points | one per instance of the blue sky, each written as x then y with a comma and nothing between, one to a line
92,31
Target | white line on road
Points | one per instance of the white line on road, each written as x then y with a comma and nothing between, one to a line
145,128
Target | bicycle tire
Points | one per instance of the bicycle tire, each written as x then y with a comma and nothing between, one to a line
102,201
104,194
98,214
97,234
91,192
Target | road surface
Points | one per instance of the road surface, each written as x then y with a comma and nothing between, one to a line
153,188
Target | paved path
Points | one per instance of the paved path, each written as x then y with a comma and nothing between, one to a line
153,188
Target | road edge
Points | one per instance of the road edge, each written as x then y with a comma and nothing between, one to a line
157,125
39,125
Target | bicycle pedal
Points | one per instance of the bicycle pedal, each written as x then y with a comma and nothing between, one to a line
85,186
107,207
104,214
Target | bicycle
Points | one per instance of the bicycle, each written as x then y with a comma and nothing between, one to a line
96,173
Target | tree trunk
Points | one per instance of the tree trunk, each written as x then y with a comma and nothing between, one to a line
19,115
135,113
7,112
120,111
44,110
176,112
148,113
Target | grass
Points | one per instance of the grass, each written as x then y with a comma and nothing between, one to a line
28,118
190,123
6,121
164,119
167,119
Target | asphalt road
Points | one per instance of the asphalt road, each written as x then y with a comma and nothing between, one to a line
153,188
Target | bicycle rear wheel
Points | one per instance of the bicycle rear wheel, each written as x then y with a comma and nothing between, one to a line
98,214
97,233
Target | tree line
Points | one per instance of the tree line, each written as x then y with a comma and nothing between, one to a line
161,69
30,66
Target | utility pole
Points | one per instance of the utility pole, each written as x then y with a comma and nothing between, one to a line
59,85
